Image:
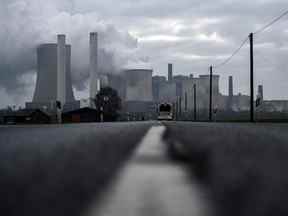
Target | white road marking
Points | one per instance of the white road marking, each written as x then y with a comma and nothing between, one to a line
157,189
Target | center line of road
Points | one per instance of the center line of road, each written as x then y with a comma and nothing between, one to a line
152,144
147,187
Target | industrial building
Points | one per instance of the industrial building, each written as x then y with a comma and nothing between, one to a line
156,82
82,115
53,76
167,92
138,102
180,86
134,86
138,85
25,116
180,91
139,90
93,68
202,91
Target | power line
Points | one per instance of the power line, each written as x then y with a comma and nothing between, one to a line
233,54
246,39
271,23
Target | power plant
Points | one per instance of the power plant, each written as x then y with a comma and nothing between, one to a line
54,78
53,75
94,73
138,85
140,91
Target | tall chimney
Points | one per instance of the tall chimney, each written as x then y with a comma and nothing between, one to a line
260,92
230,94
230,86
94,76
170,72
61,69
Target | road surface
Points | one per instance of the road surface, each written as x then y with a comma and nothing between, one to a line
151,184
124,169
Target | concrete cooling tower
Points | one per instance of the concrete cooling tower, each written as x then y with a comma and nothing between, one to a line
139,85
53,74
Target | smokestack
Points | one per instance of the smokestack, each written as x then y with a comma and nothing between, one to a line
94,76
170,72
260,92
61,69
230,86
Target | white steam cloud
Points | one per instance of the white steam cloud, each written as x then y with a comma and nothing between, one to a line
24,24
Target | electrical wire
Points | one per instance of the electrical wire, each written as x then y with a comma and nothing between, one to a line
247,38
233,54
271,23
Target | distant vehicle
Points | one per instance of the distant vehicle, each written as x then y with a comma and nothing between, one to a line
165,112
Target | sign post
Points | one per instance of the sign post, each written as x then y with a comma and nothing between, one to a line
251,79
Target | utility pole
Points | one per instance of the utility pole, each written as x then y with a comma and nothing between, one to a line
186,102
195,105
176,110
251,78
180,106
210,95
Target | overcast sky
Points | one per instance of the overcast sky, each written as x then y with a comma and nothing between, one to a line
191,34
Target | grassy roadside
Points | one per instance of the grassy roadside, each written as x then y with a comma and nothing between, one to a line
242,166
59,171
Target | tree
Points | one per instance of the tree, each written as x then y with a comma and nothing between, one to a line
108,103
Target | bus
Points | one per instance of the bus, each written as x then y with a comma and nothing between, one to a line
165,112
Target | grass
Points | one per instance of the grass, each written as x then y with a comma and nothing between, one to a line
244,167
61,170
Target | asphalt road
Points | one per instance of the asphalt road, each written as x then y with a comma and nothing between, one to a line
151,184
128,169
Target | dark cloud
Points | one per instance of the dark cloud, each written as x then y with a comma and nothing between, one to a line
192,34
26,23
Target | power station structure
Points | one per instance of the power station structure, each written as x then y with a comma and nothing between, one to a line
93,68
230,94
54,81
53,76
139,85
138,101
140,91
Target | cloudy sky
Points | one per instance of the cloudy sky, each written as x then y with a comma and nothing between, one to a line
192,34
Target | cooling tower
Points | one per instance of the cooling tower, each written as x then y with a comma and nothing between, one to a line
139,85
50,85
94,76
